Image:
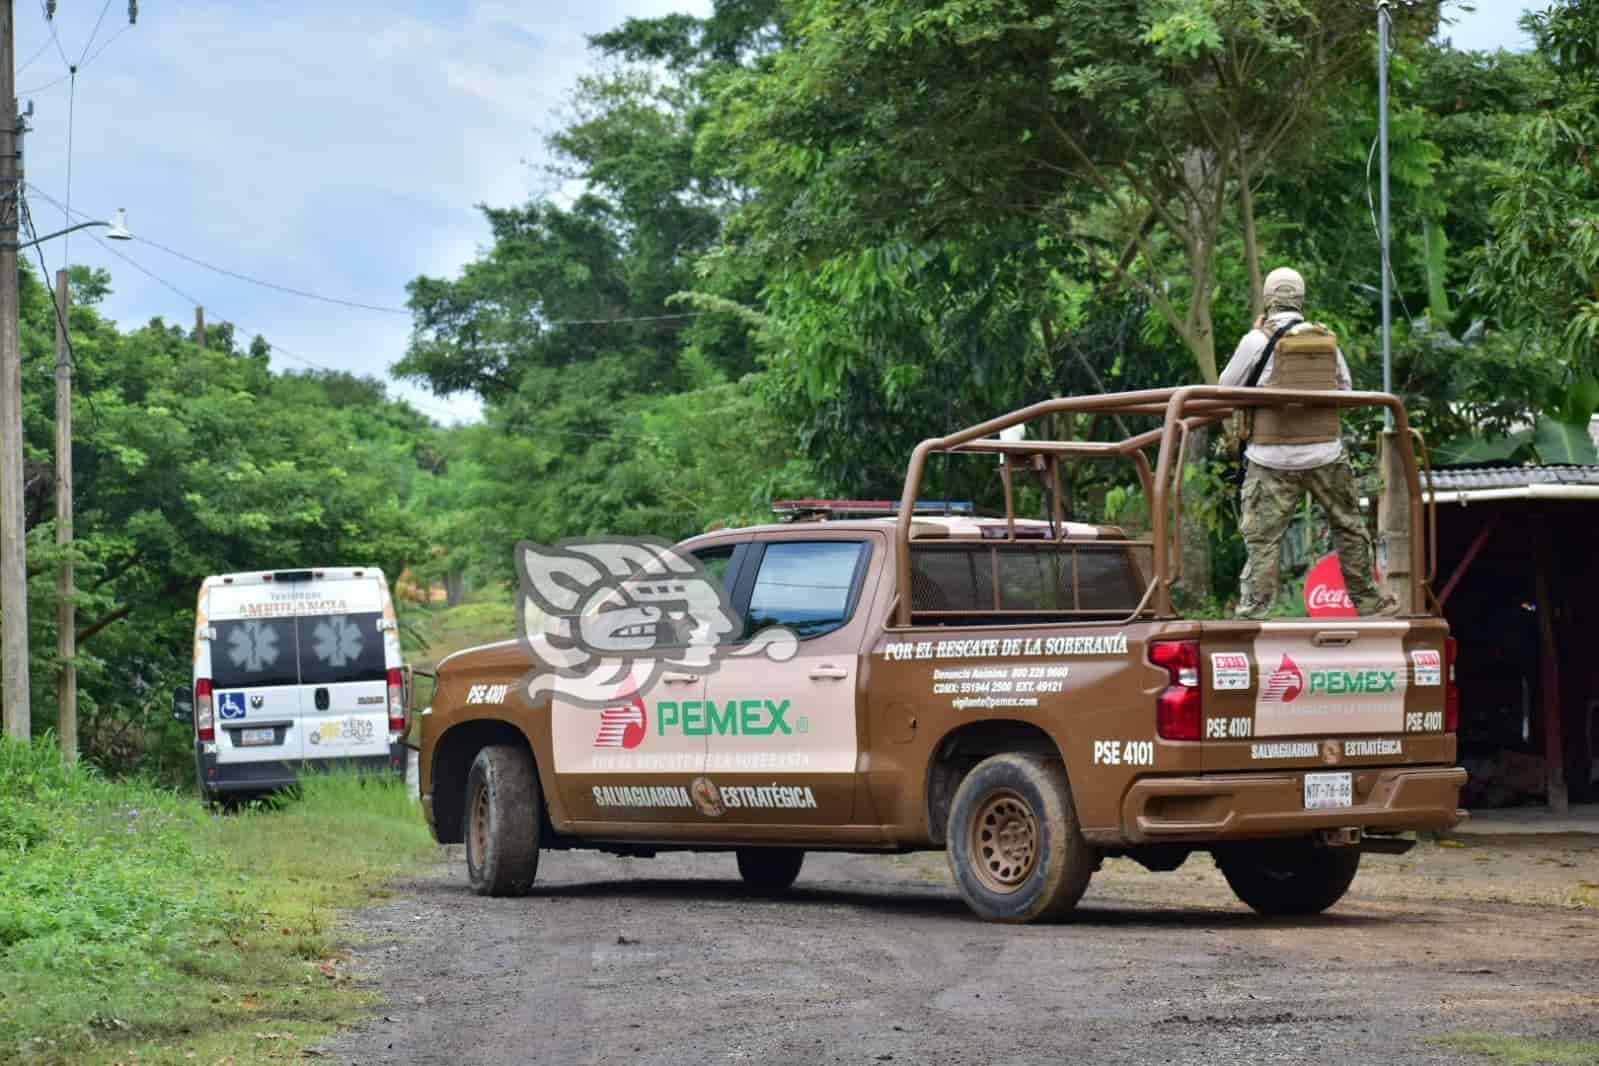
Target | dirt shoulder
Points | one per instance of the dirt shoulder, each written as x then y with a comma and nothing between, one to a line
877,960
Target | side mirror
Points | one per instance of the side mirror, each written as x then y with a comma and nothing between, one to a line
183,704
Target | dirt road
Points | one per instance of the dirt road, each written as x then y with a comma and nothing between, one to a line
874,960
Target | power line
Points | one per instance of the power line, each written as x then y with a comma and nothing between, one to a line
34,58
49,18
359,305
90,42
313,364
109,41
42,88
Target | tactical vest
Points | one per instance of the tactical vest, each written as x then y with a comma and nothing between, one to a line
1306,358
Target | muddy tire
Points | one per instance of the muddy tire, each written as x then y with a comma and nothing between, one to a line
501,822
1014,844
1291,877
769,871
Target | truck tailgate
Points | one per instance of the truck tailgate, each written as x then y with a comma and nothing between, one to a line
1313,692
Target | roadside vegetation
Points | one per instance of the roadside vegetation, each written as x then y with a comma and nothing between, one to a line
1524,1051
137,926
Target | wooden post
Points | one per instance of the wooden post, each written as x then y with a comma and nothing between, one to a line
1393,527
199,326
1549,663
13,542
66,611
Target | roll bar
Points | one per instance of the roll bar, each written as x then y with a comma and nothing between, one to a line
1184,409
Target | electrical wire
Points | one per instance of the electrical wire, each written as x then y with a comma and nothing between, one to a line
45,87
96,32
109,41
357,304
61,320
35,57
51,22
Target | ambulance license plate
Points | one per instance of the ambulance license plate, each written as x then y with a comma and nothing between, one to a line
1329,790
249,738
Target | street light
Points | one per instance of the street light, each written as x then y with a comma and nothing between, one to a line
115,231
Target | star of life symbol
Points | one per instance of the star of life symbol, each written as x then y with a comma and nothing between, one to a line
336,641
253,646
606,615
1285,683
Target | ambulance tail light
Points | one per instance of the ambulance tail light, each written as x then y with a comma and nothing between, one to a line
1179,711
205,721
1451,690
396,700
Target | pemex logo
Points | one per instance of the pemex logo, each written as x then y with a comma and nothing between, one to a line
622,725
1285,683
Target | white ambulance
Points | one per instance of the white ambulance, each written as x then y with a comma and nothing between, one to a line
294,670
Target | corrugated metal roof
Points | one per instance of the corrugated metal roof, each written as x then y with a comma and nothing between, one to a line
1511,477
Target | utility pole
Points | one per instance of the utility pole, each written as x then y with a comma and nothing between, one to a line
199,326
1393,506
1384,25
13,562
66,610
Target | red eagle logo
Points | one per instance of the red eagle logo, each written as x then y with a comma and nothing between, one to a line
622,725
1285,683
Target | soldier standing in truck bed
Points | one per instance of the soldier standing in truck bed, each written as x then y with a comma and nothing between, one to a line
1295,450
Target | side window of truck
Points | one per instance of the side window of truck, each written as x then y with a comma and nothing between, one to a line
808,586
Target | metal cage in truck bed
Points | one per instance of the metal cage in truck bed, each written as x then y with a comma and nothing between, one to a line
1184,410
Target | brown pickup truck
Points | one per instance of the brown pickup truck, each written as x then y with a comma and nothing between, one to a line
1017,692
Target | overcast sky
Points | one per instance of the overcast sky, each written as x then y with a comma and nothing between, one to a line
337,148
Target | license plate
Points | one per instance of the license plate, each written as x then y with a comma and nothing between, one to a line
1329,790
249,738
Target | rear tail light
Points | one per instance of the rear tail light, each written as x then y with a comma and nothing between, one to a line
205,721
396,701
1451,691
1180,710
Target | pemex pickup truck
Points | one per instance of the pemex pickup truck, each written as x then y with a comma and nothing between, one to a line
1018,692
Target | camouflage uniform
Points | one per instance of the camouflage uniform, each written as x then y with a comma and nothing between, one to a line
1270,498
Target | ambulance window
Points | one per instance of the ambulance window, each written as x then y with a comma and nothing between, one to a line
805,585
335,648
254,653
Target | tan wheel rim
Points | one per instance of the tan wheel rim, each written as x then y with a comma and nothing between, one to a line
1004,842
480,827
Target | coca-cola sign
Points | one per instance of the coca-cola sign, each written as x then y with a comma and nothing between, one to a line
1325,593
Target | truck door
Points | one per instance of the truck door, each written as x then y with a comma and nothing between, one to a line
639,758
255,681
343,685
783,736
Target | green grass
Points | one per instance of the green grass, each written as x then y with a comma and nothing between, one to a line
450,629
1523,1051
136,926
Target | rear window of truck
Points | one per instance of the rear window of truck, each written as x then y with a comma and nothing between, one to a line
1042,580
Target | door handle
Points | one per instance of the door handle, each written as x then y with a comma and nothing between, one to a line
1334,638
674,678
828,673
321,699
